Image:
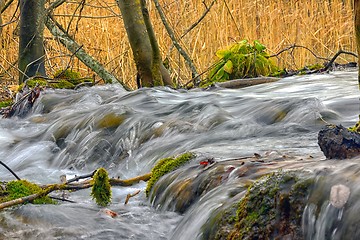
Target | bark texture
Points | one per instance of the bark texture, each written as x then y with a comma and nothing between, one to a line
357,30
31,48
338,142
143,44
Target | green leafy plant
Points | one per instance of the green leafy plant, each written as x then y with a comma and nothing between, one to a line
241,60
101,189
356,127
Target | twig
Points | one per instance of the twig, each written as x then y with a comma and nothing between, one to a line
232,17
199,20
62,199
130,181
54,5
130,196
12,172
292,47
6,5
77,178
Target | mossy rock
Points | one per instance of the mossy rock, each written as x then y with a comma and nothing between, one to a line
165,166
71,76
62,84
22,188
31,83
271,208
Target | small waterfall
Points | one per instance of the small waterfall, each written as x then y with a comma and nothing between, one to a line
74,132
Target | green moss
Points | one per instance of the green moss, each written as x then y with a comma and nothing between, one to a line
6,103
241,60
33,82
71,77
165,166
272,205
22,188
356,127
101,190
63,84
67,74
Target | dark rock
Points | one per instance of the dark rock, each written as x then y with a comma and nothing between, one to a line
338,142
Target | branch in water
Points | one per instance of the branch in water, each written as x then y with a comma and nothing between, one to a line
74,187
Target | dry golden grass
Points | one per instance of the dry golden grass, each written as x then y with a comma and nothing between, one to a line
324,26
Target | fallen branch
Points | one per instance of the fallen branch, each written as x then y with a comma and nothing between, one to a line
69,185
332,60
27,198
292,47
130,181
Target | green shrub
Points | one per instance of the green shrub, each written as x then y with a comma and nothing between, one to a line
241,60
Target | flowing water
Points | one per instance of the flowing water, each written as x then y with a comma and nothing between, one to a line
76,132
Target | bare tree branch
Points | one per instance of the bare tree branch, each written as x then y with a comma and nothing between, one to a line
199,20
56,29
176,43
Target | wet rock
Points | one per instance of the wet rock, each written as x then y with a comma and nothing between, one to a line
180,189
271,209
338,142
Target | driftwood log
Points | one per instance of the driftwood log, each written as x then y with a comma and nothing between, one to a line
337,142
246,82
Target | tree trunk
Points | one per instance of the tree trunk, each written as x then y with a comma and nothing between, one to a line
143,44
31,48
357,30
2,4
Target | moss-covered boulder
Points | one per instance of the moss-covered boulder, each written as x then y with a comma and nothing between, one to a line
165,166
272,208
70,76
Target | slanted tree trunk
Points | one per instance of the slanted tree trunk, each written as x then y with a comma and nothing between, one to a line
357,30
143,43
31,48
2,4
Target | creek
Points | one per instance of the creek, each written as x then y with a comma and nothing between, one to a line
75,132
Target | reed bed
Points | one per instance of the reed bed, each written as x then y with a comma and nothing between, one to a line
325,26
